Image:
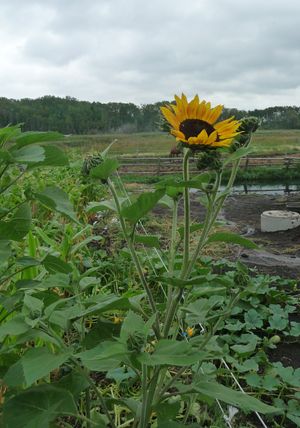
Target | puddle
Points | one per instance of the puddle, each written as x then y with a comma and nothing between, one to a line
266,188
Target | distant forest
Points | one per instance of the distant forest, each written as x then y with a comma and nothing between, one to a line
70,116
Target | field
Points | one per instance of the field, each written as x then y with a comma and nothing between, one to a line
124,309
265,143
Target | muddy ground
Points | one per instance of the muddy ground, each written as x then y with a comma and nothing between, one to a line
245,212
280,251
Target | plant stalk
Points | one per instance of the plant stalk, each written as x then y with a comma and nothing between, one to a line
136,260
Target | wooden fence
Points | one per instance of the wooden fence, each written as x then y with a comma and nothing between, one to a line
167,165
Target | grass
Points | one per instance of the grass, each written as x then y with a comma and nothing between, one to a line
270,174
265,143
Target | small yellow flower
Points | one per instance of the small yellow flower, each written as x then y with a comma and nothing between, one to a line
195,123
117,320
190,331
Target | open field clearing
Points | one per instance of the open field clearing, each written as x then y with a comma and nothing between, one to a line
264,143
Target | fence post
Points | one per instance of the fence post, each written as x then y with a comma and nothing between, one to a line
287,162
158,167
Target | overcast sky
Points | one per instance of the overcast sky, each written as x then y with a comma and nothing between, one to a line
241,53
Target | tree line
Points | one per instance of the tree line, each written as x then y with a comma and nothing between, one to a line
71,116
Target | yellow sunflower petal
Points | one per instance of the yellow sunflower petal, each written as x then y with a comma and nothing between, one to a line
192,107
178,134
212,138
203,136
201,110
184,103
178,102
222,143
227,130
207,112
184,99
223,123
171,117
224,135
193,140
215,114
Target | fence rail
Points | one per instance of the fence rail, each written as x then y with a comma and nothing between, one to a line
168,165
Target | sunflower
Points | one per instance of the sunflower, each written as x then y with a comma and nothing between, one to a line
195,123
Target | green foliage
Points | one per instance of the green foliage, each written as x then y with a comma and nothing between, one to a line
232,238
173,352
52,402
18,226
235,398
56,199
105,169
142,206
94,329
34,365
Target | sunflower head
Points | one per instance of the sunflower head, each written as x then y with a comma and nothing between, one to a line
196,124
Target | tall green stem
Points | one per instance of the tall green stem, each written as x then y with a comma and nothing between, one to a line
172,249
88,407
3,189
135,259
186,195
148,400
214,207
173,237
208,223
144,393
172,303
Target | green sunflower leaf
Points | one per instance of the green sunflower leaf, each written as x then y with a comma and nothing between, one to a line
142,205
172,352
38,407
235,398
30,155
148,240
53,156
27,138
105,169
54,264
18,226
239,153
231,238
56,199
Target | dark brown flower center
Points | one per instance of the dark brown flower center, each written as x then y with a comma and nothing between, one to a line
192,127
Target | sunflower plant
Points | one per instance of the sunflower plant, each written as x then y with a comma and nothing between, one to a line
161,335
167,343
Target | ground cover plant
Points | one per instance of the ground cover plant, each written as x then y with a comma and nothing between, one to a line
103,326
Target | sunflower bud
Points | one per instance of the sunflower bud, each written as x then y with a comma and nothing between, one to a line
91,162
241,276
209,159
136,342
248,125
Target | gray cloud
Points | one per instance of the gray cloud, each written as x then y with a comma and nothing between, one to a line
244,54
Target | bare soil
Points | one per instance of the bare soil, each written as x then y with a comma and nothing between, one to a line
241,214
245,212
